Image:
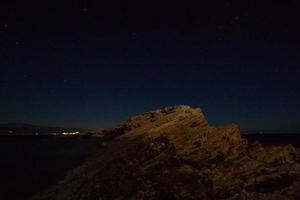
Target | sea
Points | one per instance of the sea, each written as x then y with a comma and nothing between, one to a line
30,164
275,138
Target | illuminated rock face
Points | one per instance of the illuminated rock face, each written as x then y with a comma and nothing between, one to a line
173,153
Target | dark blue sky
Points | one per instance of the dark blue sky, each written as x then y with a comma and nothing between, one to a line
91,65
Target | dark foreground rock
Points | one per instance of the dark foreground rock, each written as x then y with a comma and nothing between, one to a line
173,153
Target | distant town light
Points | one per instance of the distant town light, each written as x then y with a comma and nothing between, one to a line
70,133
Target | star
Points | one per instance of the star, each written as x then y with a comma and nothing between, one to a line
276,70
133,35
228,4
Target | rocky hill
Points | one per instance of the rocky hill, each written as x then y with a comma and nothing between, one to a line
173,153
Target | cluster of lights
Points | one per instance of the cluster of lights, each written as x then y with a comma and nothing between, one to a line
70,133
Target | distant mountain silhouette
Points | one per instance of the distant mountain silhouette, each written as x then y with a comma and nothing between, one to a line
29,129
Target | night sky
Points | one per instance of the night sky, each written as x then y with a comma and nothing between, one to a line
91,65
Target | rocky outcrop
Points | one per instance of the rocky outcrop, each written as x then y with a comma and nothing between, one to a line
173,153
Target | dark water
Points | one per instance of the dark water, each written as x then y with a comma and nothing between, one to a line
275,139
29,164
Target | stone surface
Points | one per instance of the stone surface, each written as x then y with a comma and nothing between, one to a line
173,153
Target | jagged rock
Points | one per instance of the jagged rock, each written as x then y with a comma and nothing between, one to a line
173,153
